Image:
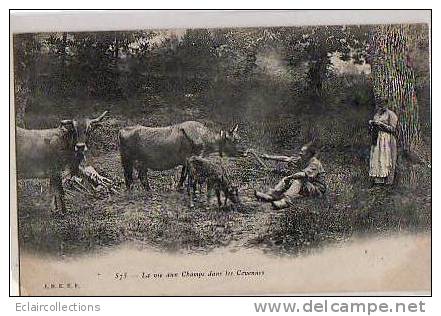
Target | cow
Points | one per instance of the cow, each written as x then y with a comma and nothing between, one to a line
164,148
45,153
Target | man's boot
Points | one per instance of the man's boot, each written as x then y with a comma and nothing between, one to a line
263,196
280,204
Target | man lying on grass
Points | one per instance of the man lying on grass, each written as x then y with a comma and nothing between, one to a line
308,182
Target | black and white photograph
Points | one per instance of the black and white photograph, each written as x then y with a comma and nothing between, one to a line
223,160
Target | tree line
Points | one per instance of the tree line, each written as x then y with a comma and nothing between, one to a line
112,65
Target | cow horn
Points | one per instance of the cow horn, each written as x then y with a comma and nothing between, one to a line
99,118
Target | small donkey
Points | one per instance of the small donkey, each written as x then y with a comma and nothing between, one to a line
201,171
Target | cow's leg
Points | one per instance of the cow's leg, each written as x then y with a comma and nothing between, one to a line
53,194
182,177
209,190
57,184
190,189
195,185
142,173
218,195
128,171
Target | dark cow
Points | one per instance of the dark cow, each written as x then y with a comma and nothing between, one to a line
46,153
163,148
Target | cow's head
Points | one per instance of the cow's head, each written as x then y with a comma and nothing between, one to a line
230,142
84,129
76,137
69,141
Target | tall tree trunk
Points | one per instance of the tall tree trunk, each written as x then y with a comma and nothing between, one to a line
116,48
394,81
119,86
63,50
63,82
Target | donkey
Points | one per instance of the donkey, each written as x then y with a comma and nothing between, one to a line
204,171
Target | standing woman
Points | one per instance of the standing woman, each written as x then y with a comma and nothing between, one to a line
383,158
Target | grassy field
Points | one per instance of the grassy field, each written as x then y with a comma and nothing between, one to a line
163,219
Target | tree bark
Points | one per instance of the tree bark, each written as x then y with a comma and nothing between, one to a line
116,48
394,81
63,50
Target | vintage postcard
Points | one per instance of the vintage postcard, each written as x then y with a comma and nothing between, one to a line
290,154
